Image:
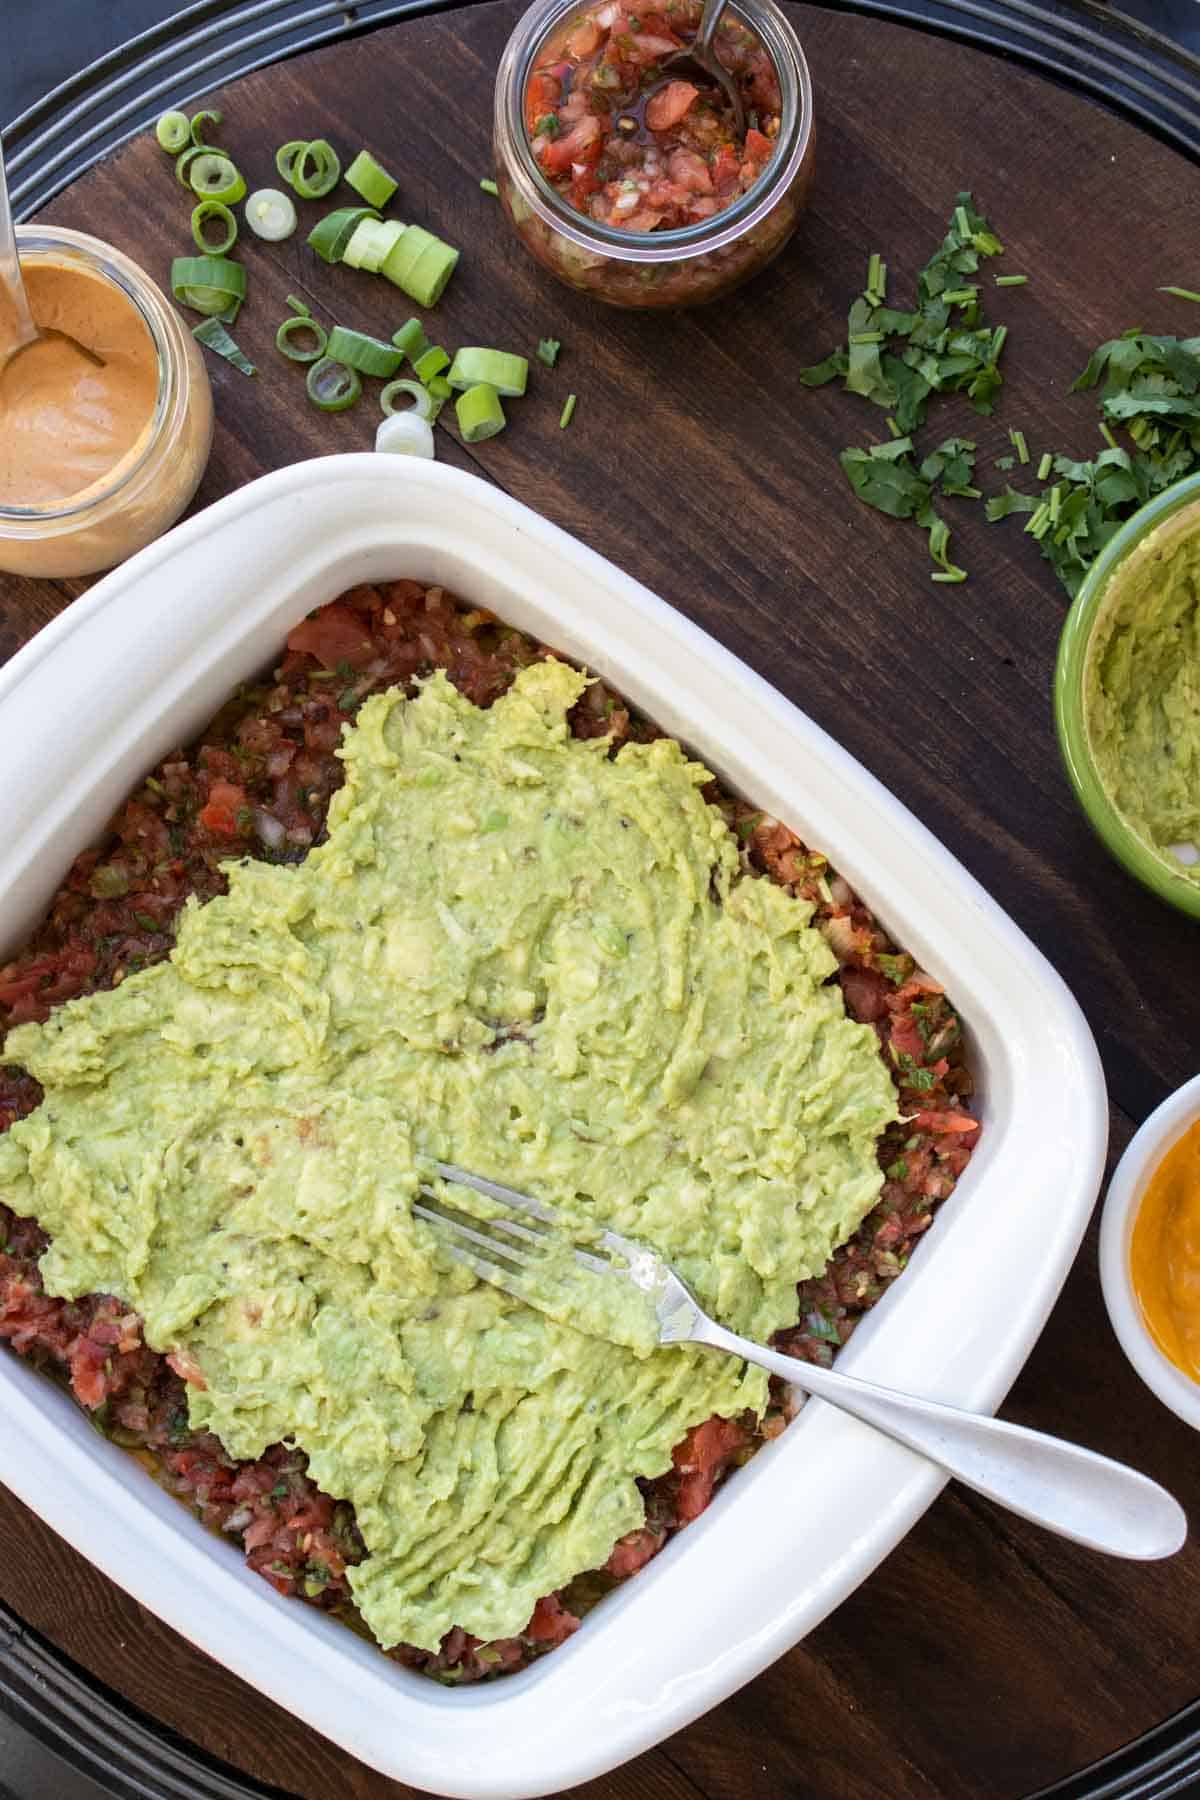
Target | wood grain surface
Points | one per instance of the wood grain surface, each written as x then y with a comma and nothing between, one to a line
984,1658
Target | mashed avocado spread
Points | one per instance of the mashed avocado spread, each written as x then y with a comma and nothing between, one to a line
520,955
1142,691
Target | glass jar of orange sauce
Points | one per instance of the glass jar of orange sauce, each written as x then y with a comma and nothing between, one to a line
100,448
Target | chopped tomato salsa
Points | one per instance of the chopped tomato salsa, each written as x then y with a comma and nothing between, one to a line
258,783
632,146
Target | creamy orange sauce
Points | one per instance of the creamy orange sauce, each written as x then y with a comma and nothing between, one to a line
68,425
1164,1255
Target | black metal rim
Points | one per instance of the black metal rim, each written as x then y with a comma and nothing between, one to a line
1083,43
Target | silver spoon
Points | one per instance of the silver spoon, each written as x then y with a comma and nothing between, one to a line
699,60
17,328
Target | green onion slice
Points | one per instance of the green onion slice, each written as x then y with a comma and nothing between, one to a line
568,412
405,434
367,178
370,356
214,209
496,368
270,215
431,362
480,414
440,388
183,164
332,387
208,284
330,235
213,334
316,170
200,123
299,306
421,265
215,176
371,242
301,353
173,132
286,155
547,351
489,186
411,339
422,400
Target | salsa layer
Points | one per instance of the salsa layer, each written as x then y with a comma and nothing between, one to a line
258,785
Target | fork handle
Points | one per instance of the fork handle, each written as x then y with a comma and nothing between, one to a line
1075,1492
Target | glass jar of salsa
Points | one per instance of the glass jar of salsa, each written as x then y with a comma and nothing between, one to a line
632,183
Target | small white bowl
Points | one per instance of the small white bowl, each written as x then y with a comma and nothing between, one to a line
1161,1131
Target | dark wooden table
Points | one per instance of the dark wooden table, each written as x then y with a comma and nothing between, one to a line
985,1657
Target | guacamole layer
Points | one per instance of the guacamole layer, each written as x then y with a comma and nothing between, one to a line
1142,693
516,953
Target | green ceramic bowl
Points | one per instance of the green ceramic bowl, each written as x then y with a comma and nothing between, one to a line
1074,652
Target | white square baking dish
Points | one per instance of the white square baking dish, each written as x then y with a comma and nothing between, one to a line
139,664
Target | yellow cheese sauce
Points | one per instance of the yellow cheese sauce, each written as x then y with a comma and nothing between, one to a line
1164,1255
68,422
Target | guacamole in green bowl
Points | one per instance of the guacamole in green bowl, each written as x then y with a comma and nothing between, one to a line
1127,695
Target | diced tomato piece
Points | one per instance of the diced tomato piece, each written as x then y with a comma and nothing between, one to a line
700,1459
690,172
225,801
634,1551
584,39
946,1121
670,104
758,147
579,145
551,1621
336,635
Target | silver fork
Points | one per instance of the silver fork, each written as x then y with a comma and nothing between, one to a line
1075,1492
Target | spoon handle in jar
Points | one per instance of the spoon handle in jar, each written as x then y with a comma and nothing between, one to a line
16,321
708,26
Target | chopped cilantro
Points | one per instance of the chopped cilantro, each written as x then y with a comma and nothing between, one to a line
897,968
748,826
898,1170
912,1074
279,1490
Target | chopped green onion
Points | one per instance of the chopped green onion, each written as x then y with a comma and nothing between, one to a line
207,284
547,351
962,222
215,176
214,336
421,265
480,414
316,170
431,362
873,268
299,306
1017,440
440,388
1106,434
286,155
422,400
411,339
214,209
330,235
367,178
270,215
1181,293
1055,502
500,369
406,434
568,413
489,186
370,243
1045,465
301,353
183,164
1011,280
173,132
865,337
370,356
332,387
200,123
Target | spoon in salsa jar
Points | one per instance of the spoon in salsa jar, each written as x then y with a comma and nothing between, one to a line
699,62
